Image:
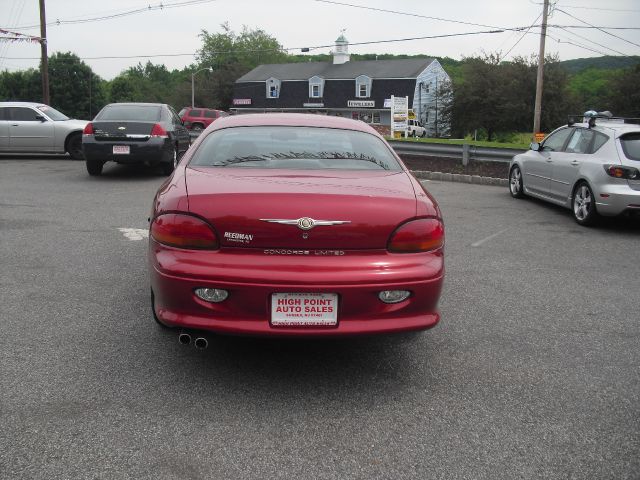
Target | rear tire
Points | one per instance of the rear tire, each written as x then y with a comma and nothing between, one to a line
583,205
168,168
94,167
197,127
74,146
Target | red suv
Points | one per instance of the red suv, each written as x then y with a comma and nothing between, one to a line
199,118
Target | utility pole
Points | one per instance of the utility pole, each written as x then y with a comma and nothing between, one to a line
543,35
44,62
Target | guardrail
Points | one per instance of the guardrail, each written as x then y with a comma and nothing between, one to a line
484,154
450,150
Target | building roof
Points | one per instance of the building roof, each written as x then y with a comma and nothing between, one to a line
404,68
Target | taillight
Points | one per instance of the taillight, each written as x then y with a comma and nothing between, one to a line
420,235
158,131
183,231
88,129
618,171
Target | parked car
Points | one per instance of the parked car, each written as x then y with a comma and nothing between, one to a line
593,169
27,127
198,119
416,129
294,225
126,133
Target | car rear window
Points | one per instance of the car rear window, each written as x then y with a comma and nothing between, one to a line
182,112
141,113
631,145
288,147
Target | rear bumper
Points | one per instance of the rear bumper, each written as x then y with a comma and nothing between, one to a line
151,151
252,279
614,200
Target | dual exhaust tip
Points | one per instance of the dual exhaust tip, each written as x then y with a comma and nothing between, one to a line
200,343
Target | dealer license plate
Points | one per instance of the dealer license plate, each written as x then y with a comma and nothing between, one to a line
304,309
121,150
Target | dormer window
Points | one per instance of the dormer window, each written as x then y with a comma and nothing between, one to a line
363,86
316,87
273,88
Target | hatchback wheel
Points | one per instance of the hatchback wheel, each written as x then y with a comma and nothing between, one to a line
196,127
515,182
584,205
94,167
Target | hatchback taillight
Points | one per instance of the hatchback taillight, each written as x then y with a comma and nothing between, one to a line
420,235
619,171
88,129
184,231
158,131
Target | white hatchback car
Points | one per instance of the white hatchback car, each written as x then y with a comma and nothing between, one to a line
592,169
27,127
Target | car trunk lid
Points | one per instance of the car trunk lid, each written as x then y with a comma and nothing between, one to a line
301,209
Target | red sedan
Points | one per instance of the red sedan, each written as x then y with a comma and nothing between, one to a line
294,225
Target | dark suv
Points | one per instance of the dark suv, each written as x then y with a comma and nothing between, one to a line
199,118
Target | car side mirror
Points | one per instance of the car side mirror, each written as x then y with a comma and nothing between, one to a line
535,146
41,118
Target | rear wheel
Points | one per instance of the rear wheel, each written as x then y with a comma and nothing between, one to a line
168,168
584,205
515,182
197,127
94,167
74,146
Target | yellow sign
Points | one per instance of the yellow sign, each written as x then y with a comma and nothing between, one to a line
412,115
539,136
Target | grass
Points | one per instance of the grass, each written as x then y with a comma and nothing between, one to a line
523,144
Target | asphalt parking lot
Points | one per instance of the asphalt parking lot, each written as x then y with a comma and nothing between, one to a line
533,372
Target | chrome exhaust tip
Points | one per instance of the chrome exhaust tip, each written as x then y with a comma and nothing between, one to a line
184,339
201,343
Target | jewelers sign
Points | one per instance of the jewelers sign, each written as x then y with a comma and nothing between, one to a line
399,114
361,103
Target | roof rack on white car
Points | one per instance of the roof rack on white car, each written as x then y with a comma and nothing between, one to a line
606,116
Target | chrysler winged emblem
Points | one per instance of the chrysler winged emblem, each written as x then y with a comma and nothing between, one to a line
304,223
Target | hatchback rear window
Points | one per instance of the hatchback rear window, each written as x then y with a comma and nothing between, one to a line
631,145
288,147
140,113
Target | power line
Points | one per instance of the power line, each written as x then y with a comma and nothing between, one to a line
160,6
598,28
593,42
523,35
598,8
275,49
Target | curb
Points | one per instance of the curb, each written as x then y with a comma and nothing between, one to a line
458,177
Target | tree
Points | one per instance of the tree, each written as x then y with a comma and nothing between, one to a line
231,56
21,86
74,88
624,95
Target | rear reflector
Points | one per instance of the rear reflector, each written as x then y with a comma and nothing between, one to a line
421,235
183,231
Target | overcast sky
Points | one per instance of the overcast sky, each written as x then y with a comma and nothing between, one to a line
174,29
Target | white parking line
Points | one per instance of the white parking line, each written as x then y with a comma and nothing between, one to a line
135,234
490,237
